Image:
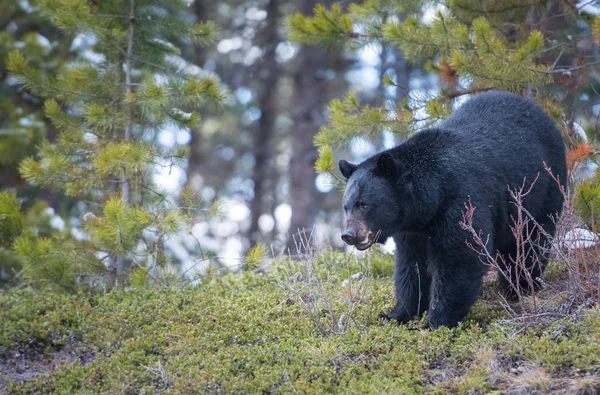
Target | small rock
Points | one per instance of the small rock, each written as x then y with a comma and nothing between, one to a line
355,276
492,380
295,278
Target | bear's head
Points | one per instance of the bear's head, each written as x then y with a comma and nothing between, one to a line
371,200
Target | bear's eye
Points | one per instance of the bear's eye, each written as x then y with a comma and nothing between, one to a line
362,205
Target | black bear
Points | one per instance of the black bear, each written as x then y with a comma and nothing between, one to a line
416,194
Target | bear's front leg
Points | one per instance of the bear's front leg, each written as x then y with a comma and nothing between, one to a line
410,279
454,289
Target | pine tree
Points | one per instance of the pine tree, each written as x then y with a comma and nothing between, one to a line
545,50
106,110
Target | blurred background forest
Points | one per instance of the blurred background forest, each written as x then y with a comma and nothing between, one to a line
256,154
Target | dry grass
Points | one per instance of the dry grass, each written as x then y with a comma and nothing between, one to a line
330,304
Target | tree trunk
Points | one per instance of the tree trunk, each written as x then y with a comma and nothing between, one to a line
268,75
307,114
403,69
196,158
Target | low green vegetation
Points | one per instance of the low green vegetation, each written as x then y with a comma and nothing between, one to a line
244,333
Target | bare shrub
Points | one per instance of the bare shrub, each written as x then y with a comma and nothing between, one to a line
578,249
529,252
329,301
572,246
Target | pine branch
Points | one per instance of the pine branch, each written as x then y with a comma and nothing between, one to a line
19,66
489,10
159,67
567,70
462,92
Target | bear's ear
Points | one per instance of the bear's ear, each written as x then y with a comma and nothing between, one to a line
346,168
387,166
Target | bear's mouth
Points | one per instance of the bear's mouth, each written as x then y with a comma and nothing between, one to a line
368,242
364,246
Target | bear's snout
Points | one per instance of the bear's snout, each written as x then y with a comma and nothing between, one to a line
358,234
349,237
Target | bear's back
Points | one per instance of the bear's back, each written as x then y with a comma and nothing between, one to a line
508,131
502,115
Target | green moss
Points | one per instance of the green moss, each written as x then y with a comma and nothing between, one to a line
39,321
564,345
382,265
484,313
587,201
554,269
241,334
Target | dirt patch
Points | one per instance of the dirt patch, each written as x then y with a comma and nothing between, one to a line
439,370
18,367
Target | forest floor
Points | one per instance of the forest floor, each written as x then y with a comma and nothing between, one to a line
282,332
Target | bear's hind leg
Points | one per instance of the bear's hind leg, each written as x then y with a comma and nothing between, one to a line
524,274
538,259
411,279
507,273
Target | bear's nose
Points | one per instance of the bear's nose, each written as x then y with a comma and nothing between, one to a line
349,237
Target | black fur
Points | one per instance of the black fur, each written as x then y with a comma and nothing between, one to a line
415,193
347,168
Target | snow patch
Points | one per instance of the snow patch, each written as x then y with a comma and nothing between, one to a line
579,238
586,7
578,130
